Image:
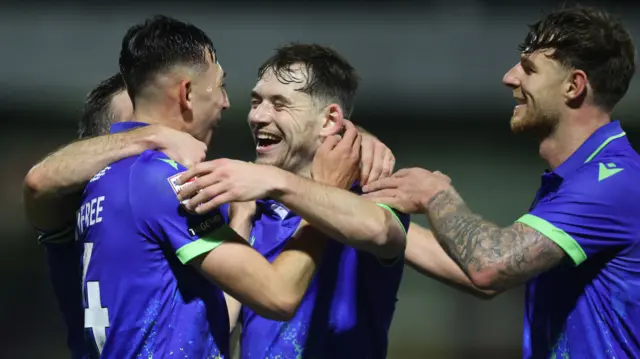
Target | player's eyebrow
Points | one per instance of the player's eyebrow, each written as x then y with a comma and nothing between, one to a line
280,98
527,63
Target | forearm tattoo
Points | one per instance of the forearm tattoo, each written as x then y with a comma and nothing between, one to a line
511,255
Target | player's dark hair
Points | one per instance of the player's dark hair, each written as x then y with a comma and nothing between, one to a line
98,115
591,40
329,76
157,45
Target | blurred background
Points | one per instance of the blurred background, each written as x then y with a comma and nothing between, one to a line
431,89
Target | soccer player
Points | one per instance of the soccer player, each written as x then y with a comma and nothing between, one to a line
303,95
578,247
52,191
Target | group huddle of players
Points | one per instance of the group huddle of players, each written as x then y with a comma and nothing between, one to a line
155,252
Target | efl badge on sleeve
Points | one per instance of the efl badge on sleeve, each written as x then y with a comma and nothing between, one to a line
177,188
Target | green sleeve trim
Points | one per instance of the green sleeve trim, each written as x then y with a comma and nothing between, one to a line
393,212
390,262
557,235
205,244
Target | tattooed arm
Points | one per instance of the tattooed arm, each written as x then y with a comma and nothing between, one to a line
493,257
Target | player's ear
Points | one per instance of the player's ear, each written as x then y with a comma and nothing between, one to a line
332,117
576,86
185,96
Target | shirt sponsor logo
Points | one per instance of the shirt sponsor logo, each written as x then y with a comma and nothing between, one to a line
207,225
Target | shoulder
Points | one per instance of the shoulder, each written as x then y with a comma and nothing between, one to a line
153,181
156,163
610,180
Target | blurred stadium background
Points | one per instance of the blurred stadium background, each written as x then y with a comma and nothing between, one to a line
431,89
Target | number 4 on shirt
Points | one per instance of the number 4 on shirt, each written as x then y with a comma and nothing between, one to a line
96,318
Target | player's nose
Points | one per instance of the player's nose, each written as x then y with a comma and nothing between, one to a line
260,115
510,79
226,104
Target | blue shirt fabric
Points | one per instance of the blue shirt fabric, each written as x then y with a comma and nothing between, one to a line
347,310
140,297
590,207
65,271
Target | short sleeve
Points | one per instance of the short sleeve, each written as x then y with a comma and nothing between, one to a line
158,213
402,218
588,215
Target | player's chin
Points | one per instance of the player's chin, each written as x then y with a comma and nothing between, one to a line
520,123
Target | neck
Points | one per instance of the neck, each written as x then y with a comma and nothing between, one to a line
157,114
570,134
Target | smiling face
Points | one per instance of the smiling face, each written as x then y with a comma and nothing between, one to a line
538,84
287,124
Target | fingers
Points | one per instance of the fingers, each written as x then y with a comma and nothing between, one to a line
366,159
190,173
402,173
201,169
214,203
378,162
350,135
197,170
355,148
200,176
384,193
383,183
203,196
388,164
329,143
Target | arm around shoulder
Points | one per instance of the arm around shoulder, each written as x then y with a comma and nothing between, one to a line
52,187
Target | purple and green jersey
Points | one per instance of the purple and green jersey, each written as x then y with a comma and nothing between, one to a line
140,296
347,310
590,207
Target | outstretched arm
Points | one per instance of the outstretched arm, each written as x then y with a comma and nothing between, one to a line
426,255
493,258
344,216
340,214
